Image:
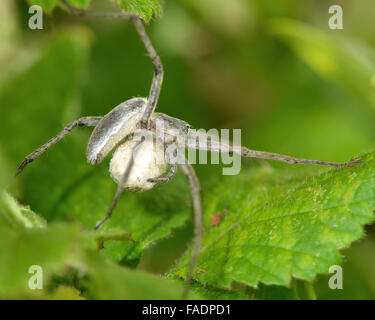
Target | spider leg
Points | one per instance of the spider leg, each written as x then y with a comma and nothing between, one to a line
198,225
86,121
159,72
121,185
245,152
157,79
212,144
168,177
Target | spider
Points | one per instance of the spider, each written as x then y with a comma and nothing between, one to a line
133,130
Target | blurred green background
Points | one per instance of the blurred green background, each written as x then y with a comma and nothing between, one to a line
272,68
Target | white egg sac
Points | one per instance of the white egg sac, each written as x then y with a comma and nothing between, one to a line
149,163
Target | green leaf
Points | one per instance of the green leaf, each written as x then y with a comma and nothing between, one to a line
58,246
276,228
275,293
49,5
106,280
145,9
51,248
80,3
215,293
64,293
18,215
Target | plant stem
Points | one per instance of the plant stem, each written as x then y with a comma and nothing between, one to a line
304,290
309,290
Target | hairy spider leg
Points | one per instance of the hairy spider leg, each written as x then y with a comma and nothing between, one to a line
85,121
189,171
220,146
121,185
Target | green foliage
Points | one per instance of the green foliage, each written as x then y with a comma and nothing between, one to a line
44,97
52,248
18,215
62,245
277,225
145,9
277,228
5,171
80,3
345,62
47,5
107,280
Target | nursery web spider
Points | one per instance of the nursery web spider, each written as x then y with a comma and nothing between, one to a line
133,162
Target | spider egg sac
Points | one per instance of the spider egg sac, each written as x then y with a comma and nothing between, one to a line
149,163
